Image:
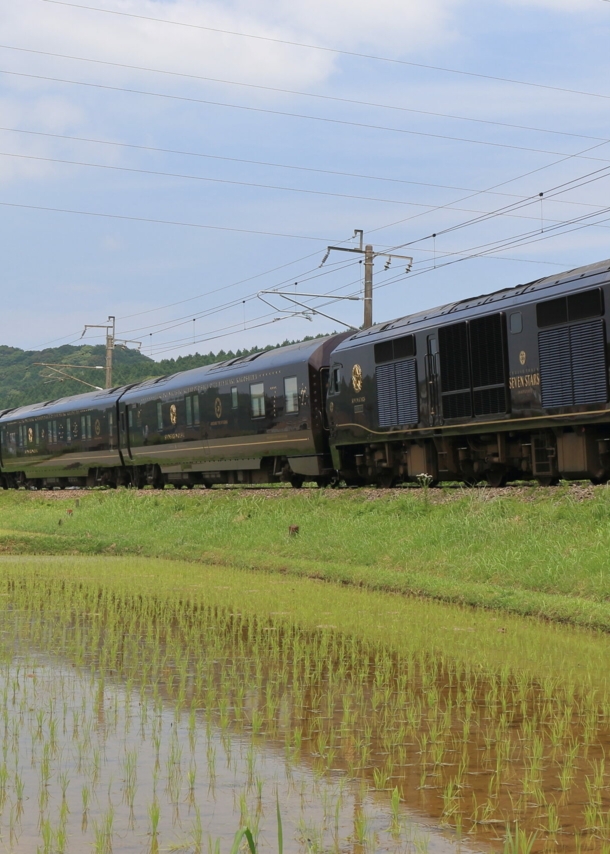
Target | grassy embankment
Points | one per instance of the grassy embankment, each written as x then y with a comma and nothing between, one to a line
537,552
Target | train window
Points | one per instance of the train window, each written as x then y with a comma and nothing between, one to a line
130,416
585,304
291,394
404,348
68,429
516,322
159,415
37,433
83,427
574,307
257,398
110,424
189,412
335,380
384,352
552,312
234,398
196,409
397,348
89,426
55,435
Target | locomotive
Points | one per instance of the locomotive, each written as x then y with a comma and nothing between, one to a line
505,386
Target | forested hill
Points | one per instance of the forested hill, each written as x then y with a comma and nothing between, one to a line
22,381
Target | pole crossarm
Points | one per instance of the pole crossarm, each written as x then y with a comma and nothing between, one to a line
111,342
369,256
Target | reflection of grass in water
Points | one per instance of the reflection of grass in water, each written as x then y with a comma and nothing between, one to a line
430,703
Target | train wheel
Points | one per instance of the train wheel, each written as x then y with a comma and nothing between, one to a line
495,478
297,481
547,480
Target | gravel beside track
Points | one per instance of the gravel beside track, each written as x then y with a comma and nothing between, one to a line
576,491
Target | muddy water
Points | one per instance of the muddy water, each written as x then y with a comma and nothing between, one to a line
139,728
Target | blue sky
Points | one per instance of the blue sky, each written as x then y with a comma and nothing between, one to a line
421,147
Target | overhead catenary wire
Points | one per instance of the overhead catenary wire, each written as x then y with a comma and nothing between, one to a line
504,183
275,187
564,187
285,113
296,167
185,319
337,51
151,220
301,94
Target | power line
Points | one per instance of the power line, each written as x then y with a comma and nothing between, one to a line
337,51
187,318
489,189
183,176
295,167
317,95
179,223
286,113
565,187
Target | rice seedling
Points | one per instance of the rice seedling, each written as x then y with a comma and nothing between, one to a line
150,703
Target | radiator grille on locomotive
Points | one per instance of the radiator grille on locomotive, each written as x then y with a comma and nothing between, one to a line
473,367
573,364
397,402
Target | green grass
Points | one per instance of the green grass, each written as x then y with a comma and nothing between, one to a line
486,643
545,553
470,719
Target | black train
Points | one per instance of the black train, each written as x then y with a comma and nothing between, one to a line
256,419
510,385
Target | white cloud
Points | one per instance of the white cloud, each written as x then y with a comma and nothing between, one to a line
575,7
393,27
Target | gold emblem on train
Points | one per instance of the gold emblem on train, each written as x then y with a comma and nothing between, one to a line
522,357
357,378
218,407
173,413
30,435
97,427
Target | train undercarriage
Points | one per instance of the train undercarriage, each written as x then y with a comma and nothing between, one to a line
271,470
495,458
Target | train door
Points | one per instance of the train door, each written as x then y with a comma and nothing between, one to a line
432,375
324,380
124,425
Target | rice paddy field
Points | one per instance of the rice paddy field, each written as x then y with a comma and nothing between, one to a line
150,702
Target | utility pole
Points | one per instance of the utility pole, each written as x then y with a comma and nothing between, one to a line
368,285
109,326
369,256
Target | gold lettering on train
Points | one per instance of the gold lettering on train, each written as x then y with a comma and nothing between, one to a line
524,381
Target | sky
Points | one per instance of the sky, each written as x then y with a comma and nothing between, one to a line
165,161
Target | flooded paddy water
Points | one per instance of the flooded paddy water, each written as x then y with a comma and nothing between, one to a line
150,706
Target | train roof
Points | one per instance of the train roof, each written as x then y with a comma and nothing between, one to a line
315,352
265,360
508,297
64,405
